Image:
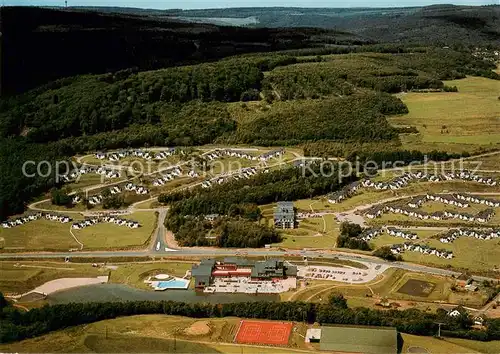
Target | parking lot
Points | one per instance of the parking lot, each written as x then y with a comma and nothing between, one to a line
248,286
340,274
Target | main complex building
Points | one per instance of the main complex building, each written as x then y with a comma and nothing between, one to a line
210,271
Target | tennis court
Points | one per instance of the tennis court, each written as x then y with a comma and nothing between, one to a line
264,332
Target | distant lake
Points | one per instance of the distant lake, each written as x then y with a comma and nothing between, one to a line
223,21
121,292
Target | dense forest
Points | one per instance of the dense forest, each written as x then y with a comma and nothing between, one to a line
236,202
61,43
16,325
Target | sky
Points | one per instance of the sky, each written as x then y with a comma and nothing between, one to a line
203,4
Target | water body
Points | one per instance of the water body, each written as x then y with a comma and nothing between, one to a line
121,292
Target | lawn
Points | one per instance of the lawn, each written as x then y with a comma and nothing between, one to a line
134,274
454,121
149,334
111,236
39,235
311,233
21,277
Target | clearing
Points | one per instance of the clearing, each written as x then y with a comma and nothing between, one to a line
453,121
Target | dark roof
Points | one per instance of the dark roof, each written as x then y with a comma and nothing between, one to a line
240,262
284,211
204,269
369,340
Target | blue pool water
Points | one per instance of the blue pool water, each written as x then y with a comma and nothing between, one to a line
173,284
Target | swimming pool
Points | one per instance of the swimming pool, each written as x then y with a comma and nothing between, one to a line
176,283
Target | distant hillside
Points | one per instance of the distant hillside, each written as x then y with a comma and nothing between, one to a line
41,44
443,24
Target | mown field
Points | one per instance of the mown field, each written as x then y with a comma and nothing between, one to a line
152,334
111,236
453,121
39,235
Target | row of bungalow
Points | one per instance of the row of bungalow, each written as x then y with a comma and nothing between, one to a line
478,200
401,233
231,153
272,155
469,176
109,219
35,216
245,173
370,234
424,249
118,155
400,181
448,200
344,193
95,199
408,177
82,170
480,234
131,187
108,173
482,216
168,175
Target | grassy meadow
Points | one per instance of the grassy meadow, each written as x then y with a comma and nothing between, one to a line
39,235
454,121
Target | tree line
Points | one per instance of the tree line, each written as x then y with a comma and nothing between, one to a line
236,202
16,325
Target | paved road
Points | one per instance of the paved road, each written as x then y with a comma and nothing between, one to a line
159,241
211,252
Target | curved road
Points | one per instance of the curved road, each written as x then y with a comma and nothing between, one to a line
164,252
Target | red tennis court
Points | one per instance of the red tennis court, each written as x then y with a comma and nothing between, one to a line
264,332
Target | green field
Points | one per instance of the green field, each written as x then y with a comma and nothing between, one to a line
455,121
491,162
492,347
39,235
152,334
434,345
111,236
